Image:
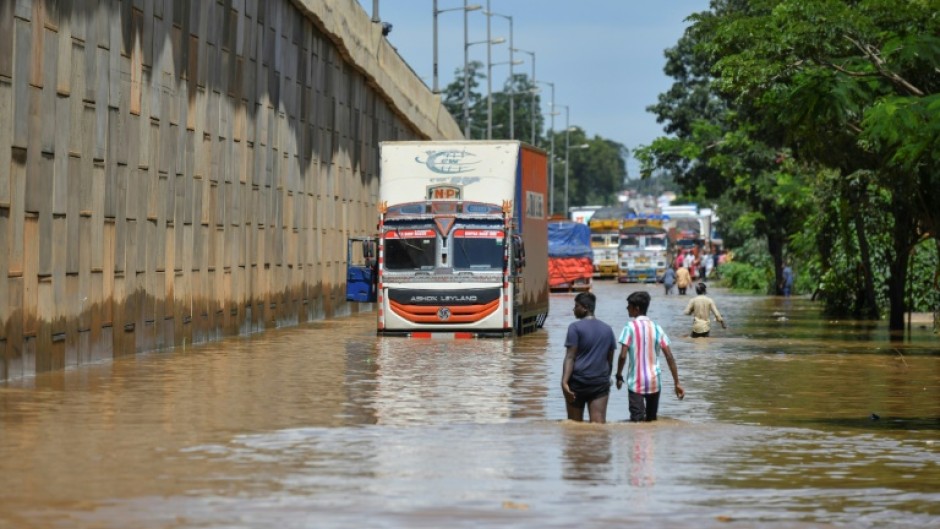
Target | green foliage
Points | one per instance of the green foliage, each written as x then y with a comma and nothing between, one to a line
907,128
751,268
525,110
924,293
828,245
746,277
844,98
597,171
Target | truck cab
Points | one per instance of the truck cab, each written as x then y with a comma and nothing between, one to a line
642,251
451,276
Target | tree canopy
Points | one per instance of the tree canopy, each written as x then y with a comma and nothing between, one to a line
806,110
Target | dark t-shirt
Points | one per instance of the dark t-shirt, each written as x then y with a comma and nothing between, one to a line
594,339
669,278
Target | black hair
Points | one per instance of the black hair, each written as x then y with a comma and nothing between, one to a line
700,288
640,300
586,300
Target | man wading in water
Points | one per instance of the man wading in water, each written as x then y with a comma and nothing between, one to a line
589,359
701,307
643,342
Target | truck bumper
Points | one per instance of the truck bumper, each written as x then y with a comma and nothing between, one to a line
646,275
606,270
447,335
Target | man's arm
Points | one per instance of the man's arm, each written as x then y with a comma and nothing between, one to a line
610,359
714,309
667,352
566,371
621,361
690,307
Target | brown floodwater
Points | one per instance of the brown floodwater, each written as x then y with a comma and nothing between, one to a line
790,420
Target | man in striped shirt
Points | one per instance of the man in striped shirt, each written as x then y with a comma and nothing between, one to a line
642,341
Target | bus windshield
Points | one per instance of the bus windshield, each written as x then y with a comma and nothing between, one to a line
410,249
479,249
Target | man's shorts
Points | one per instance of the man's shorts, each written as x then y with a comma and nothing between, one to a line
584,393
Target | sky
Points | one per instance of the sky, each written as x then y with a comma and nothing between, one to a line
605,57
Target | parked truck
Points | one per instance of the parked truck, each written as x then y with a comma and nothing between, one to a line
462,245
605,237
684,227
570,257
643,249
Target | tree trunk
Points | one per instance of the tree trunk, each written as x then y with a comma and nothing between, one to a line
936,289
870,303
776,240
904,237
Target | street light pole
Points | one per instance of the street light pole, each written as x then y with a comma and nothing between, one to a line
551,156
466,80
567,148
531,93
466,108
489,75
512,94
436,89
512,133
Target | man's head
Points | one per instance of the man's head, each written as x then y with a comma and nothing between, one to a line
638,301
700,289
584,304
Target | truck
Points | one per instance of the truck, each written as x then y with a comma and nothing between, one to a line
461,247
605,237
570,256
684,228
643,250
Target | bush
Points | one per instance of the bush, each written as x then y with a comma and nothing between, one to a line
743,276
923,296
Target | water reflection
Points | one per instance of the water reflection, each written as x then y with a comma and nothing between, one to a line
642,463
587,452
442,381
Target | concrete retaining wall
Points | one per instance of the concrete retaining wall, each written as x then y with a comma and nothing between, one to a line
175,171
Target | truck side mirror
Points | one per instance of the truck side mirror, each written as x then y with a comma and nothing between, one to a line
368,252
518,252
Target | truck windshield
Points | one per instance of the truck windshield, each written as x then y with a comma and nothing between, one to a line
656,241
604,239
479,249
411,249
629,240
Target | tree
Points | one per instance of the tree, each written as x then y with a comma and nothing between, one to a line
855,86
454,96
723,150
525,106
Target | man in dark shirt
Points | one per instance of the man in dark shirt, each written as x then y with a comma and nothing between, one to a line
589,359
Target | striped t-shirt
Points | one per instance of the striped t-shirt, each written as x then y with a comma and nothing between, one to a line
644,340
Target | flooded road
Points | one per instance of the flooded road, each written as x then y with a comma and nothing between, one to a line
790,420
